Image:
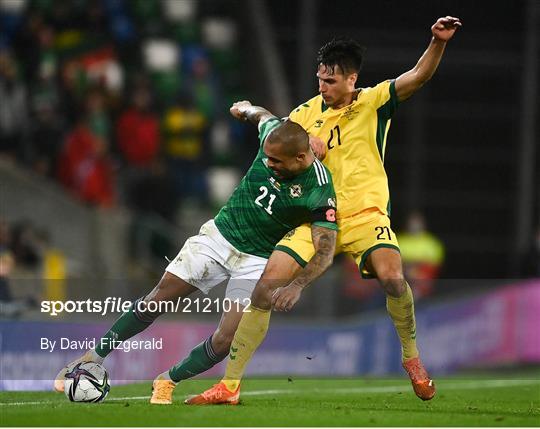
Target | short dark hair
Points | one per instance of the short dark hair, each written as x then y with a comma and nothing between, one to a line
292,136
343,52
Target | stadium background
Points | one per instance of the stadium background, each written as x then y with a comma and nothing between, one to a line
95,192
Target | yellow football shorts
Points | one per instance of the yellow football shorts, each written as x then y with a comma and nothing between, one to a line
358,236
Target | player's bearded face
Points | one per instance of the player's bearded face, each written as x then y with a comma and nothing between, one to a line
334,86
282,165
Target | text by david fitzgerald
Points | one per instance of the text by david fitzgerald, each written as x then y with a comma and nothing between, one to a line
86,344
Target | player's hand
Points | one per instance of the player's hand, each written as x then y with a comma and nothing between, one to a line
445,28
318,146
284,298
239,109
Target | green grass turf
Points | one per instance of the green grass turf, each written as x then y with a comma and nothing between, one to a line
478,401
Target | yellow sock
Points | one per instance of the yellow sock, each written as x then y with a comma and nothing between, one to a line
401,311
248,337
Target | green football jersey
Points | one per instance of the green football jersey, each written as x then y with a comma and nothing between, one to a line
263,208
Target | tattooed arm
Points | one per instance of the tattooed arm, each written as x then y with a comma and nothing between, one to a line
245,111
324,240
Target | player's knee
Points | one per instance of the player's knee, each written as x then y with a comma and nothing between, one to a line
392,280
262,296
221,342
389,272
394,287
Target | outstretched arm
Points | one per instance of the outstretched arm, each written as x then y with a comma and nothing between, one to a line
324,240
410,82
245,111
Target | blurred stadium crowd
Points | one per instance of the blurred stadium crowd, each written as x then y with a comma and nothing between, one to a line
113,96
122,103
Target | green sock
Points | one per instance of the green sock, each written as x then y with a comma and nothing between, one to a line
200,359
127,325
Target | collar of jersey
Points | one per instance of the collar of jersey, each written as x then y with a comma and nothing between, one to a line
325,108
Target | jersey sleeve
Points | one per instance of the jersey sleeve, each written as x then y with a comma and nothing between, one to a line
266,127
295,115
299,114
322,204
384,98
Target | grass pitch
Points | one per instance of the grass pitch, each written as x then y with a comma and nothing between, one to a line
300,402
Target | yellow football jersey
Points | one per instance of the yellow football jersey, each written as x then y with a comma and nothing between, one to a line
356,142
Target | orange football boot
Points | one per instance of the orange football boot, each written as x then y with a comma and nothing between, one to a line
162,391
217,394
423,386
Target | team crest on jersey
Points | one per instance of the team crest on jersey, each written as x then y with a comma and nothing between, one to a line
350,113
275,184
332,202
318,123
295,191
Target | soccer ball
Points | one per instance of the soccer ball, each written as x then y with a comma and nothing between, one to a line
87,382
